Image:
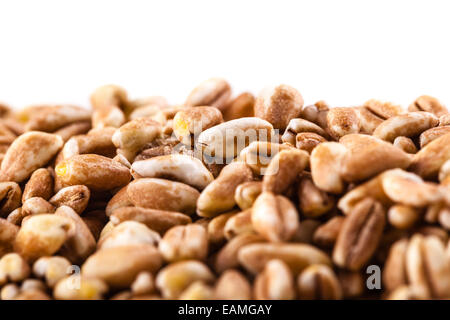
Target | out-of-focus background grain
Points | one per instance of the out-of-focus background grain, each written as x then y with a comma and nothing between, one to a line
344,52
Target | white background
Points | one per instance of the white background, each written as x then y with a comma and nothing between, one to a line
344,52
